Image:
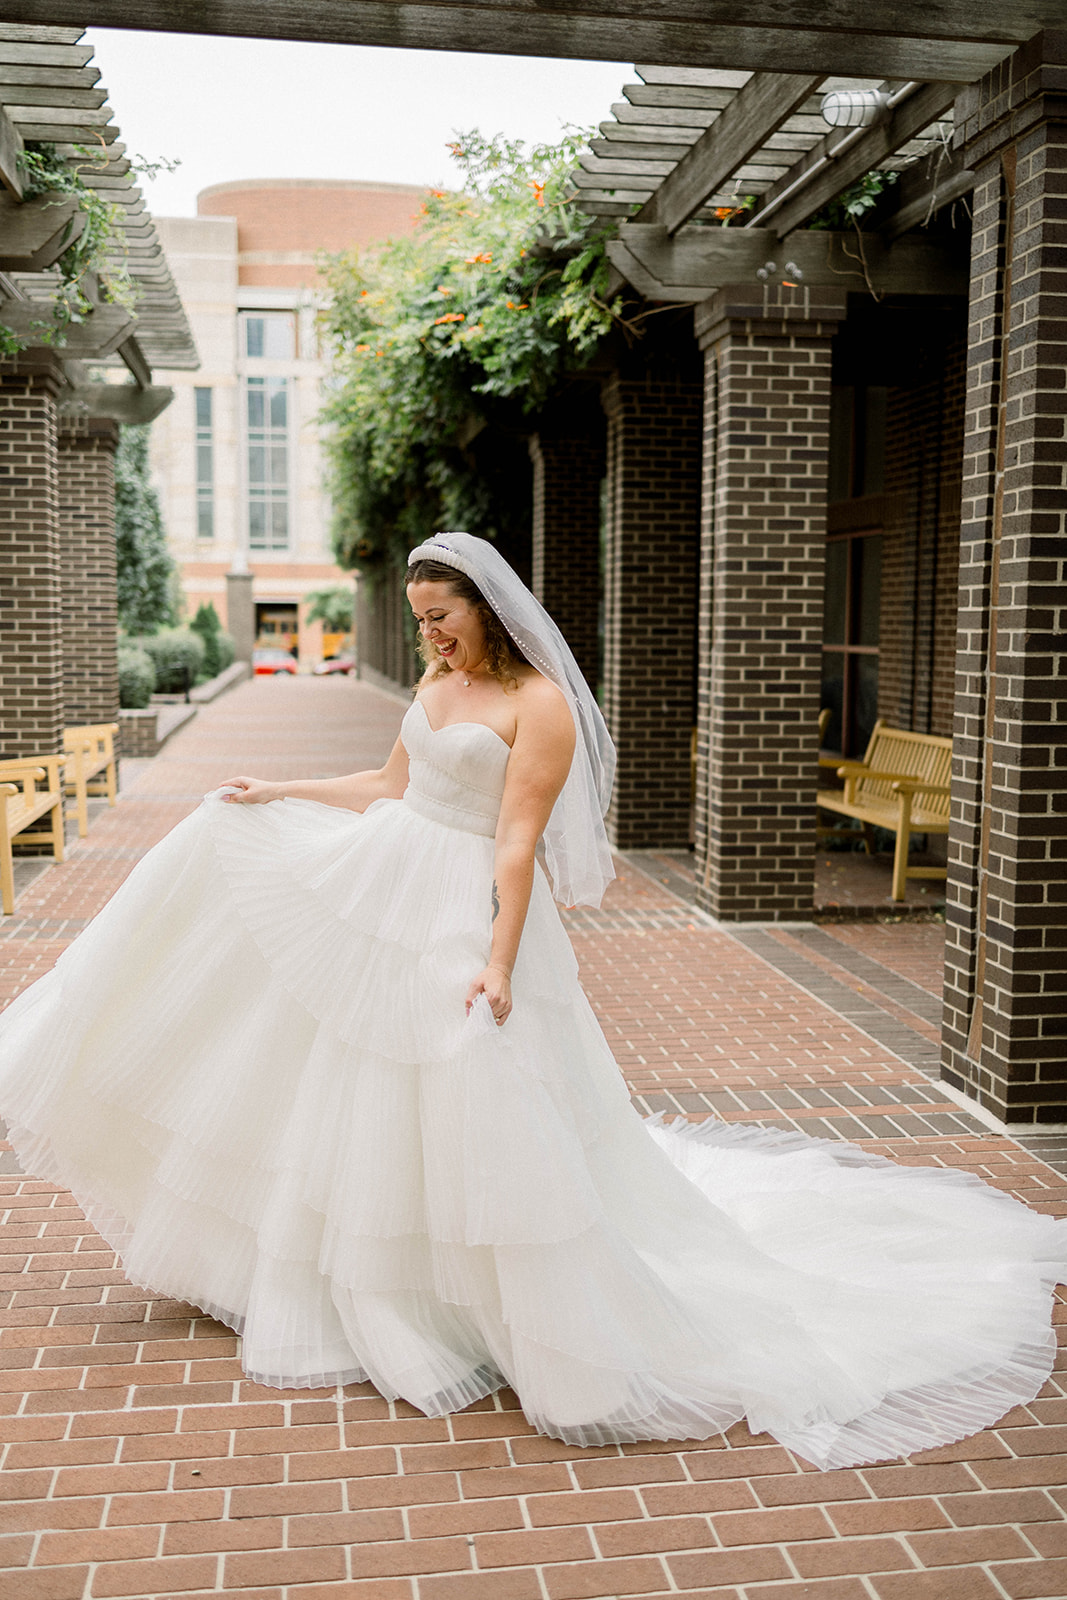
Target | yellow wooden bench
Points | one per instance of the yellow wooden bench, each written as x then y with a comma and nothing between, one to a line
90,753
901,784
21,804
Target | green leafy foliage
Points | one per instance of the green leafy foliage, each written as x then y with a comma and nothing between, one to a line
846,209
100,247
333,608
178,656
207,621
137,677
144,563
464,326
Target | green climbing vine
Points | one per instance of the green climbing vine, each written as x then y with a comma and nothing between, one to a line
466,324
846,209
99,248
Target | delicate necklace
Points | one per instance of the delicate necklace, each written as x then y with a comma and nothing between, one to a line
465,675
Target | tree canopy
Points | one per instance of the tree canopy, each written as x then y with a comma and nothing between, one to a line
465,325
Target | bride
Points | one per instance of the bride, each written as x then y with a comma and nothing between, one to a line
323,1067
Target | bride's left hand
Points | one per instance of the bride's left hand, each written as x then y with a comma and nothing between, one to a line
495,984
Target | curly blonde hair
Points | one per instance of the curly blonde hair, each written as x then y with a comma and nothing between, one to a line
501,654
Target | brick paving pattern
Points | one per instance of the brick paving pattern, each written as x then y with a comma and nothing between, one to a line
139,1462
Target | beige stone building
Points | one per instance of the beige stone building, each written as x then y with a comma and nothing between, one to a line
237,457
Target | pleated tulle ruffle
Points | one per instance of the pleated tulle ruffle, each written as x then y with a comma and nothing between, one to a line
256,1073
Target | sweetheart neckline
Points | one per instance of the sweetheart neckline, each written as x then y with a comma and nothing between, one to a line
465,724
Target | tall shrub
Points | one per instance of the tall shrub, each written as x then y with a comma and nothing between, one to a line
144,562
218,645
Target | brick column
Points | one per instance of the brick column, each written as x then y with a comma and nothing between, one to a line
383,639
1005,1029
650,577
88,587
568,471
241,614
31,679
766,451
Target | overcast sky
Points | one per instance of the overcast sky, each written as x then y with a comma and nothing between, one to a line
252,108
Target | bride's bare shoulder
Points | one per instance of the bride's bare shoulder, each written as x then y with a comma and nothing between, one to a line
540,702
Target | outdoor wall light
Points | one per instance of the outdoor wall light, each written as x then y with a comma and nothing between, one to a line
853,108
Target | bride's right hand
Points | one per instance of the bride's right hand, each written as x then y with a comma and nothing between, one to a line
251,791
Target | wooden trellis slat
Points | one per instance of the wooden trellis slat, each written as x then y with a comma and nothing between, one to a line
49,91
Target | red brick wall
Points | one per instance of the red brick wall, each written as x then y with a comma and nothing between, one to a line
31,680
87,570
287,218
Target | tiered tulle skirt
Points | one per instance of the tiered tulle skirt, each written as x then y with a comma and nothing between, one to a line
256,1074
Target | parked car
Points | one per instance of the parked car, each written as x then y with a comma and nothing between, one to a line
332,664
272,661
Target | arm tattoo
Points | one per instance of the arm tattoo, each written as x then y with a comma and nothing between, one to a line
496,901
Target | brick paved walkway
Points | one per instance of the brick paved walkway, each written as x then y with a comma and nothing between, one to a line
138,1462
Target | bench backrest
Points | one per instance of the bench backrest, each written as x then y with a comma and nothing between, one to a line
97,738
909,755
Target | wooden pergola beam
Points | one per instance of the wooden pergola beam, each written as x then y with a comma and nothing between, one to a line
956,40
125,403
696,261
10,151
924,189
841,158
102,331
767,100
35,233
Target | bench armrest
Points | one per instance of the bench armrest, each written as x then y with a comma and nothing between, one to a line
22,777
856,769
917,786
22,769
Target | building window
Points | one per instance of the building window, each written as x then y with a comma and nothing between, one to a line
267,414
268,335
205,466
851,628
857,442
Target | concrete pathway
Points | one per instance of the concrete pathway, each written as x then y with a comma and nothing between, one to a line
137,1461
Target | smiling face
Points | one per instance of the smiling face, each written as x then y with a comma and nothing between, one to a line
449,623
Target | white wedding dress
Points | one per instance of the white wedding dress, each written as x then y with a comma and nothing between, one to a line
255,1073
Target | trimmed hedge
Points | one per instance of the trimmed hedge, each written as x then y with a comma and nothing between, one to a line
137,678
178,657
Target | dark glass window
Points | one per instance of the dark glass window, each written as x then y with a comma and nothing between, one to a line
851,629
857,442
267,413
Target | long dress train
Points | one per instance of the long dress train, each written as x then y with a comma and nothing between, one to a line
255,1073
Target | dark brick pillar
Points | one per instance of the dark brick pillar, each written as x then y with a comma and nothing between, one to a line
87,569
568,469
383,640
766,451
31,680
651,545
1005,1029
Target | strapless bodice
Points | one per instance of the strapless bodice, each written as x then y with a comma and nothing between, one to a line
455,773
